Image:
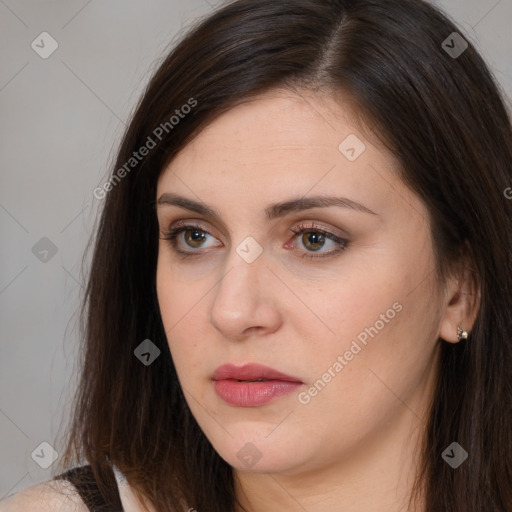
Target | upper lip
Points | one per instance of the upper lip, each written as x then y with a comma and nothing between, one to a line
251,371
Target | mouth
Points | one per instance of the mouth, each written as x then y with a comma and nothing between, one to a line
252,385
251,373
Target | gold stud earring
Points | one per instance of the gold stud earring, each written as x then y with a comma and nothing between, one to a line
461,335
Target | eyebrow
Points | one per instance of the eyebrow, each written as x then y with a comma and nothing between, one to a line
272,211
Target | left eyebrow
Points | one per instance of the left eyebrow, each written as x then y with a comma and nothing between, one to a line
272,211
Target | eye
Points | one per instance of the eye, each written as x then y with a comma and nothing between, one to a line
314,239
193,237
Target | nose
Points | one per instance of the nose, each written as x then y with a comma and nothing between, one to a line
246,299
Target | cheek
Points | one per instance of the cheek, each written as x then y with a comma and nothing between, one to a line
179,305
364,330
378,324
352,303
387,344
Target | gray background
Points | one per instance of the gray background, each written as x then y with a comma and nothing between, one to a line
61,120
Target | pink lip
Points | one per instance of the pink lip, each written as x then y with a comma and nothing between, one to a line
251,394
250,371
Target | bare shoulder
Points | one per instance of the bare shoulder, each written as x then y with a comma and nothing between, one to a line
52,495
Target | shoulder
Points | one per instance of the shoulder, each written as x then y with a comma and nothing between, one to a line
52,495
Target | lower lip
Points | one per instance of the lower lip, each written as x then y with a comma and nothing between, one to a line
252,394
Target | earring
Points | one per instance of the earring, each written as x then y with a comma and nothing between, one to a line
461,335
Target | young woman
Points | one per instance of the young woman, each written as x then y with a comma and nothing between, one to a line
301,291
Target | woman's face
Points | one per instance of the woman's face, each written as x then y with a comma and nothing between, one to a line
352,316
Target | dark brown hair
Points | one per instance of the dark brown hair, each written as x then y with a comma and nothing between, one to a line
445,120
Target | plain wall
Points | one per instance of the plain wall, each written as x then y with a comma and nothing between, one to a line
61,119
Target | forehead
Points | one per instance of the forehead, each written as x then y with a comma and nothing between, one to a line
279,119
281,145
278,129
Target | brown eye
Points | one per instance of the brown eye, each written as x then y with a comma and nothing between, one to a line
188,236
194,237
313,240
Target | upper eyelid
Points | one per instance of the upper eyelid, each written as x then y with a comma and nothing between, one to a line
315,224
183,225
340,240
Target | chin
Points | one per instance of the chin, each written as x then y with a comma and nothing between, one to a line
260,454
267,463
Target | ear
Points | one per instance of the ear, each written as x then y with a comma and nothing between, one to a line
461,304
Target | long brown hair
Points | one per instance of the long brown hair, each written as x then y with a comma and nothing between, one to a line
441,114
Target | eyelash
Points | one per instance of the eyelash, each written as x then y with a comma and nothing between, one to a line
173,233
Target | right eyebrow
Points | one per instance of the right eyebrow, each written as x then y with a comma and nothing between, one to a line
273,211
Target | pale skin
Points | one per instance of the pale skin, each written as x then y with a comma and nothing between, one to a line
355,443
353,446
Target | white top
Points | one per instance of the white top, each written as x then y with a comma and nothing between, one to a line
128,499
